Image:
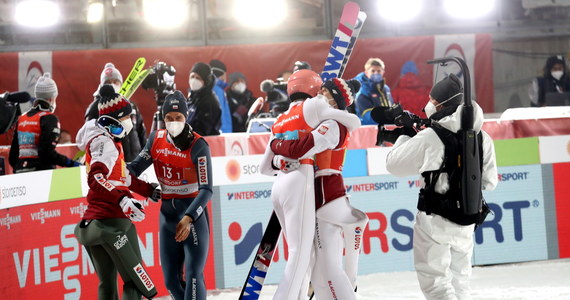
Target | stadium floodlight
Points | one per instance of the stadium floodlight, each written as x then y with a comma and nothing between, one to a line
468,9
399,11
165,14
260,14
95,11
37,13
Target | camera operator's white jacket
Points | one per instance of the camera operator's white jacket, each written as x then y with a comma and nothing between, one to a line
425,151
442,249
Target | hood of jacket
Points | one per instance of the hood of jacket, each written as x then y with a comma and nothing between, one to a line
89,130
453,121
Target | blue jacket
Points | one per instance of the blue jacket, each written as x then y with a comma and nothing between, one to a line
226,113
370,96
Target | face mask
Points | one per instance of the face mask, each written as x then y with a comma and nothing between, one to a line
557,74
430,109
116,87
239,87
376,78
175,128
195,84
127,125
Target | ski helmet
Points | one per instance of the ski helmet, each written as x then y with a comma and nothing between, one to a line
304,81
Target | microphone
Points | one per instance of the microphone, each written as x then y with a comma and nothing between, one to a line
18,97
267,85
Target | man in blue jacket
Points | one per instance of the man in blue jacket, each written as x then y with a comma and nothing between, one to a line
219,70
373,92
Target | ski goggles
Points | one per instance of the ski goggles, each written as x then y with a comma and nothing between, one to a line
113,125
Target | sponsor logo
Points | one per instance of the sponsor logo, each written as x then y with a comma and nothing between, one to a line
515,176
236,149
323,129
28,123
8,220
143,276
249,243
167,152
414,183
10,192
79,209
45,214
160,134
331,287
194,234
35,71
202,170
103,182
247,195
373,186
200,210
233,170
121,241
357,237
286,120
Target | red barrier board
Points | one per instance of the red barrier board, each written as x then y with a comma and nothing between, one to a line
57,264
561,173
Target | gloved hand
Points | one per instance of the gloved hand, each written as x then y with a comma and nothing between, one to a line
391,136
285,164
156,192
72,163
132,208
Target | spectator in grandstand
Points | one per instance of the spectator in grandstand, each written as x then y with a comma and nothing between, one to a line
106,230
373,92
554,82
37,133
204,113
219,70
136,139
240,99
182,163
410,92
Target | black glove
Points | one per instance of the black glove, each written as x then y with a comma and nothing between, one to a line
156,192
391,136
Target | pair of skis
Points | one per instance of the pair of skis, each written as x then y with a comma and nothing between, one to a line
135,78
349,27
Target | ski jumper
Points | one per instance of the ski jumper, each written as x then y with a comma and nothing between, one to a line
442,248
186,181
109,237
334,213
293,193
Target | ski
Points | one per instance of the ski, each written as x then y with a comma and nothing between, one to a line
336,61
136,83
139,65
341,41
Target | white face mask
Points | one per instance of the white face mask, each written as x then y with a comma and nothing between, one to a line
175,128
239,87
195,84
127,125
116,87
430,109
557,74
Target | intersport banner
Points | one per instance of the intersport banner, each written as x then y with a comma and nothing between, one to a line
78,72
40,254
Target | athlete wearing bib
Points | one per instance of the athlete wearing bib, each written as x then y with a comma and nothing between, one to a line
293,193
182,164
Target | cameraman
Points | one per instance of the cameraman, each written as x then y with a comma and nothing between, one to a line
443,236
136,139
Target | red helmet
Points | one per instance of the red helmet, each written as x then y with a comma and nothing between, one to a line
304,81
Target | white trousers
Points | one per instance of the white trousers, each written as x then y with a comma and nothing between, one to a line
293,198
329,279
442,257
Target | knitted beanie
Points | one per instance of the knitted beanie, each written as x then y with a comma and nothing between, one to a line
45,87
343,91
109,73
113,104
175,102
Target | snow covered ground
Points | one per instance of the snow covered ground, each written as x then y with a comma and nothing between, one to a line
532,280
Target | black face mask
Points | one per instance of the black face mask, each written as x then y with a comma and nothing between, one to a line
184,139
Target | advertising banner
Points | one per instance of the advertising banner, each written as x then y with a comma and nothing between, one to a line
376,160
523,151
238,170
40,253
25,188
554,149
561,173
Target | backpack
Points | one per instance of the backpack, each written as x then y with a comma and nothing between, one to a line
449,205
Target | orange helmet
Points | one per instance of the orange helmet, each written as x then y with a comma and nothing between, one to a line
304,81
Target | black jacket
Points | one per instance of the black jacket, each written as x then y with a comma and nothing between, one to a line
49,136
204,112
239,106
135,140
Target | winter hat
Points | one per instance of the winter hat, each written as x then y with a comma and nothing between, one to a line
409,67
343,91
110,72
449,88
175,102
113,104
301,65
203,70
233,77
46,87
218,67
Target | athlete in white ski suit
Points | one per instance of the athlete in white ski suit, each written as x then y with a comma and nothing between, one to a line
293,193
335,216
442,249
